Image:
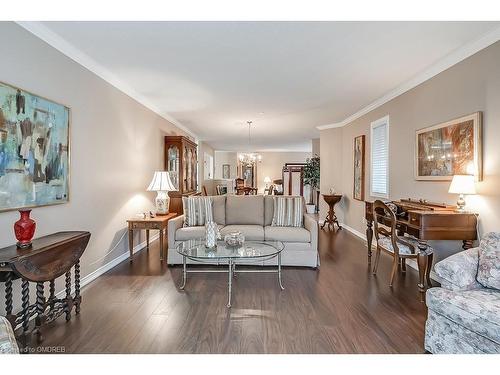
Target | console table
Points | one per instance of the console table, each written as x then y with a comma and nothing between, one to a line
48,258
331,218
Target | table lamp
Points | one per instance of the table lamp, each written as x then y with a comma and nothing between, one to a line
162,184
462,184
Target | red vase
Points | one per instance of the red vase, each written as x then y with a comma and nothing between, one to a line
24,229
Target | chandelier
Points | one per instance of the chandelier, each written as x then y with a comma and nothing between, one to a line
252,157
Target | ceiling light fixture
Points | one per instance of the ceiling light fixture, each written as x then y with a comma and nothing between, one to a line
249,158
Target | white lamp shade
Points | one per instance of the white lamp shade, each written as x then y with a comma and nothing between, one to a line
267,180
462,184
161,182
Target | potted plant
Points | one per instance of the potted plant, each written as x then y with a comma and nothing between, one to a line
311,178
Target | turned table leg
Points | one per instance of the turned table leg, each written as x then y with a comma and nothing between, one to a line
369,238
467,244
68,304
25,299
423,260
8,299
78,298
40,307
131,244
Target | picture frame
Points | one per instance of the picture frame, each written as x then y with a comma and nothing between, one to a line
35,144
226,171
359,168
449,148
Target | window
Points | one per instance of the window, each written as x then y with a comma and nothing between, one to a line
379,183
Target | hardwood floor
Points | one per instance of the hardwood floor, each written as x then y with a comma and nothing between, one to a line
340,308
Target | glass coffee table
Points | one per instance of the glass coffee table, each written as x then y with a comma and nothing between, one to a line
230,256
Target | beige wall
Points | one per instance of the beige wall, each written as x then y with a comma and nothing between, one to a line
204,148
116,144
225,157
316,142
470,86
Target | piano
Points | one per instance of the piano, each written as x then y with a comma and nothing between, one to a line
426,221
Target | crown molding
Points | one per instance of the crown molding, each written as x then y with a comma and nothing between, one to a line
68,49
448,61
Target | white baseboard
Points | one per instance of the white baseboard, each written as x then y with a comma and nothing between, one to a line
105,268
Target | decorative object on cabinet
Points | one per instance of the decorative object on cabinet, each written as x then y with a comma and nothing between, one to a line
311,174
24,229
226,171
34,133
159,223
278,186
359,168
181,161
451,148
48,258
162,184
331,218
400,247
462,184
267,181
426,221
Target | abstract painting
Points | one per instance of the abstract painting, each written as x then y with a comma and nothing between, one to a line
34,150
226,171
359,168
450,148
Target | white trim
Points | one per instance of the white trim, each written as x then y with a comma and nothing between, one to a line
446,62
382,121
63,46
105,268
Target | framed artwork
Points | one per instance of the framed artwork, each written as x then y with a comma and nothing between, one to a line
359,168
34,150
453,147
226,171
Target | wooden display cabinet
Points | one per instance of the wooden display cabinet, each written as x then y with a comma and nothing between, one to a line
181,160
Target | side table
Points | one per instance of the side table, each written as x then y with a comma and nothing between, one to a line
331,218
159,223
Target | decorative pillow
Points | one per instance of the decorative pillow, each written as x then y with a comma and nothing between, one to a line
197,211
488,273
288,212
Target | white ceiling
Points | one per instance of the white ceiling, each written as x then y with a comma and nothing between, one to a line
288,77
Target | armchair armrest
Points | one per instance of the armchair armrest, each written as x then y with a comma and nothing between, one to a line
173,225
312,226
459,271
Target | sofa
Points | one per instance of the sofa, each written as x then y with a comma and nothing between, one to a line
464,313
252,216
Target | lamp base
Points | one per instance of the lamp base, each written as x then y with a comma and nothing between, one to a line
461,204
162,202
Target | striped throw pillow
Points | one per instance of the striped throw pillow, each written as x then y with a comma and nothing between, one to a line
288,212
197,211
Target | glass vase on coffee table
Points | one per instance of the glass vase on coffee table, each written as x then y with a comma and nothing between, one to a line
250,252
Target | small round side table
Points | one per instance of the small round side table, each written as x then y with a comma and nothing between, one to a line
331,218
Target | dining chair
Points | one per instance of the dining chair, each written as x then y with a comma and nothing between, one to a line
388,240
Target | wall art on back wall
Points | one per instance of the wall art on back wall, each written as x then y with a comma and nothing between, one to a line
359,168
450,148
34,150
226,171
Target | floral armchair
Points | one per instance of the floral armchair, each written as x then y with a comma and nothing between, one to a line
464,313
8,344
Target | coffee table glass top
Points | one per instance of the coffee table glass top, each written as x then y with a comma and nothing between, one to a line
195,249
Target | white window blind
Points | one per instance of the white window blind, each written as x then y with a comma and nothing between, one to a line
380,158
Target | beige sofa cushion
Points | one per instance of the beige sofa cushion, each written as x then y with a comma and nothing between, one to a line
268,209
219,209
245,209
251,232
286,234
190,233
